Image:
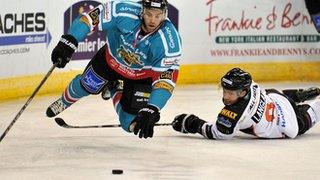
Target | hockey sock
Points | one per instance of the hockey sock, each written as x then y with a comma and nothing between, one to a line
74,92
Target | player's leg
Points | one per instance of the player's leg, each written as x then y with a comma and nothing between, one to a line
308,115
130,100
92,81
72,93
301,95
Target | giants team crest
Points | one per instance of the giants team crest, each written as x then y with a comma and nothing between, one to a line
129,57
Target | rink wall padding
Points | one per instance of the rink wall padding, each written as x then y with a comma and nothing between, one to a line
13,88
261,72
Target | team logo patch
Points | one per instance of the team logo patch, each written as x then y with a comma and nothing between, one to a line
164,85
142,96
229,114
224,122
169,61
166,75
92,82
94,15
129,57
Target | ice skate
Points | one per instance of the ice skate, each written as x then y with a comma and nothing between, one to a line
56,107
308,94
111,85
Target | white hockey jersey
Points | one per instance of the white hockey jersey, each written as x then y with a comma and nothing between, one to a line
263,115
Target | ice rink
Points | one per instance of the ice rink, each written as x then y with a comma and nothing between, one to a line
37,148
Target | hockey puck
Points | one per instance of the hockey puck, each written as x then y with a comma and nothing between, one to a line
117,171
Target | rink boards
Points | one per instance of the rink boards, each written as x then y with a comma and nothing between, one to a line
189,74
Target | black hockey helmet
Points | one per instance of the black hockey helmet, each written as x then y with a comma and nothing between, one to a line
236,79
158,4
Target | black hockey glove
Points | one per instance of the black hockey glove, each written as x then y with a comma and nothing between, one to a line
144,121
187,123
62,53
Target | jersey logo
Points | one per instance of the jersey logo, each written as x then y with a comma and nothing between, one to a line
94,15
170,61
163,85
224,122
229,114
166,75
107,14
91,81
129,57
171,39
254,96
260,110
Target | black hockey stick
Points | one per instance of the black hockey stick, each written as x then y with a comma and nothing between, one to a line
28,101
62,123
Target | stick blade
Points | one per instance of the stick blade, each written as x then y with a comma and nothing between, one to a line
60,122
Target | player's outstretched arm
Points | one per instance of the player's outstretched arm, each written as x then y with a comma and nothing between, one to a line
78,31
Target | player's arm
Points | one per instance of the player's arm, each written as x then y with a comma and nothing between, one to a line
224,128
165,65
79,29
313,7
163,86
166,54
95,19
162,89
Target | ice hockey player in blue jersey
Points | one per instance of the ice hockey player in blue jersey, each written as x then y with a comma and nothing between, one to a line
142,50
267,114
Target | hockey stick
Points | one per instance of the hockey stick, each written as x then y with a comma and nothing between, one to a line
28,101
62,123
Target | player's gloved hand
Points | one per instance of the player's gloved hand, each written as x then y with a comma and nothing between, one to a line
144,122
187,123
62,53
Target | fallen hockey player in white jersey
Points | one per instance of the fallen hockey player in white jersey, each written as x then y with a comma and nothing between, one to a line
263,113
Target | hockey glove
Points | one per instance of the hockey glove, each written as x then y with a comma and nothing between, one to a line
187,123
145,120
62,53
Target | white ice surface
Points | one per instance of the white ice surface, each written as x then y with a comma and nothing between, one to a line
36,148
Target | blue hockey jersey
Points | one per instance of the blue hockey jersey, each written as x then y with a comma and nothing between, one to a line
156,55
